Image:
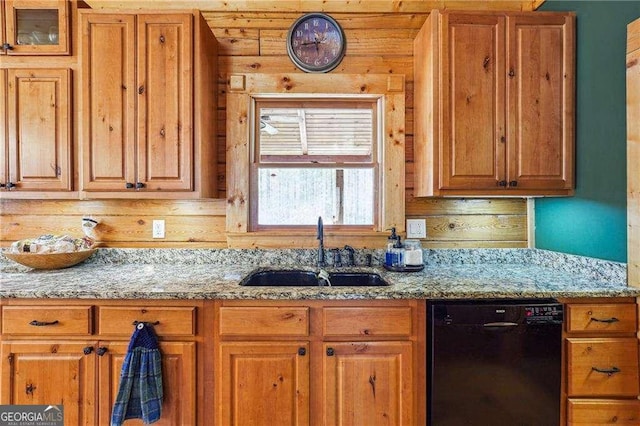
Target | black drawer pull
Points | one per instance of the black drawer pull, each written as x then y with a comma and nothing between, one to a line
607,320
145,322
608,371
42,323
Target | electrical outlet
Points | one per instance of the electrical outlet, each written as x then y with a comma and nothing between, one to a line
416,228
158,229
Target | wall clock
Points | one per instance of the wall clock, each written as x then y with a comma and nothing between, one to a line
316,43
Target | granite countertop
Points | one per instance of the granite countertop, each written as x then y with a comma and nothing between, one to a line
215,274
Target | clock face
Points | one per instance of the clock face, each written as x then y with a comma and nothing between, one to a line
316,43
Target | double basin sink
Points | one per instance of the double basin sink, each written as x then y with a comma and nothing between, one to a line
301,278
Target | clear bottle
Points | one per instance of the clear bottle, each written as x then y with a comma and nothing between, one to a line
412,253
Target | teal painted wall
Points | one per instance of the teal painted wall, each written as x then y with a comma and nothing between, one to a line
593,223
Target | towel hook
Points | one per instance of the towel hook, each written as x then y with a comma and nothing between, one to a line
140,324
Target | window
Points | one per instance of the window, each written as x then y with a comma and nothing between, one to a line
276,102
315,157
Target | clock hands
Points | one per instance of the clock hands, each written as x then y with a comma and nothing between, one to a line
316,40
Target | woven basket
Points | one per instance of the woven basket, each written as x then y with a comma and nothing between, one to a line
50,260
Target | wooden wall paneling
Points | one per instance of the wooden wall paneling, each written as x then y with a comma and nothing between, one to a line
633,152
262,20
95,208
301,6
370,42
112,228
282,64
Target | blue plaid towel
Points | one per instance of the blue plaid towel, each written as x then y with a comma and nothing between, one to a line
140,391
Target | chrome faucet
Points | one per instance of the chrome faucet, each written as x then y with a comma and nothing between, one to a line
320,237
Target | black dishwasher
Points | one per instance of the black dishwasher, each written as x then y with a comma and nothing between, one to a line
494,363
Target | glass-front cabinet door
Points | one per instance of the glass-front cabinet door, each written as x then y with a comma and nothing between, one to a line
36,27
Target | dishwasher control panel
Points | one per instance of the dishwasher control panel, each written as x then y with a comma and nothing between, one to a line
543,314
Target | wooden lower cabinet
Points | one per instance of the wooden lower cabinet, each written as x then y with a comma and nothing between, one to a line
264,383
602,382
51,372
320,363
74,356
594,412
368,383
178,382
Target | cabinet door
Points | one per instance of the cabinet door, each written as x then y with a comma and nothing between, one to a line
2,31
178,382
368,383
473,118
165,96
108,97
39,125
3,128
37,27
51,373
263,383
541,101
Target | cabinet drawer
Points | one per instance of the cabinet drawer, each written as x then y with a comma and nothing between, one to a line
586,356
361,322
168,321
46,320
603,412
601,318
264,321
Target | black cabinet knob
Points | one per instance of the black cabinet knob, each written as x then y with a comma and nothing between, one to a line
129,185
502,183
88,350
101,351
302,351
330,352
7,46
513,183
140,185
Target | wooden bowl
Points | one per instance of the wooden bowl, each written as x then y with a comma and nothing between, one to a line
50,260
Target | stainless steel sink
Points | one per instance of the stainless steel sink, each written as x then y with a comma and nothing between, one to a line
298,278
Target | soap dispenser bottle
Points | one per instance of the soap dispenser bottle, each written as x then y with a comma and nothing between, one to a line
390,253
398,254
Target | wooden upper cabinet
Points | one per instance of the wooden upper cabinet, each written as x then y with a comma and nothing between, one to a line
494,100
4,168
164,101
36,27
38,123
149,96
473,152
541,85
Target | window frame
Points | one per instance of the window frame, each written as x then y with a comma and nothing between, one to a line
374,104
241,88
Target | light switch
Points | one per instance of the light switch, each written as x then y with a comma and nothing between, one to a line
416,228
158,229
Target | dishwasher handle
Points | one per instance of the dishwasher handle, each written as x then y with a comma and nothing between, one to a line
500,324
